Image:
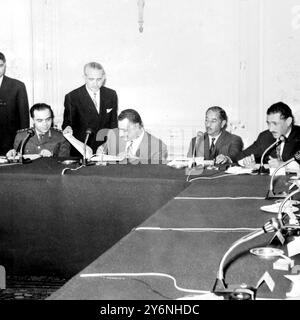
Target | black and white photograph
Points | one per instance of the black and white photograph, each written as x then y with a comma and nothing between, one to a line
149,152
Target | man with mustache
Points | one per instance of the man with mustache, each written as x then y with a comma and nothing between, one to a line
280,121
47,141
216,143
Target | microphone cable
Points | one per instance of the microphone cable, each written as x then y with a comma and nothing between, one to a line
122,276
219,198
213,177
65,169
82,166
196,229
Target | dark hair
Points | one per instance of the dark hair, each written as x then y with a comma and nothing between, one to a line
40,106
2,57
221,112
132,115
283,109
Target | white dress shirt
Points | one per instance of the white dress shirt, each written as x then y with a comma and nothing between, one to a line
135,144
216,139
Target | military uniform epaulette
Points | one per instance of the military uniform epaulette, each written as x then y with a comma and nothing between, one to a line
23,130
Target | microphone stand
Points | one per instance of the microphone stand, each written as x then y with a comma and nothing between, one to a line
30,133
194,164
262,170
194,169
280,216
241,292
290,228
88,132
270,194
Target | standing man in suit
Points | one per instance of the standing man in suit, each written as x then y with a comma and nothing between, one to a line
216,143
133,142
280,121
14,108
91,106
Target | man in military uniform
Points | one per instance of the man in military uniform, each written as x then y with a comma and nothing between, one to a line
47,141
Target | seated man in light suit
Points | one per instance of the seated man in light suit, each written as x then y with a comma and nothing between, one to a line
216,143
132,141
280,121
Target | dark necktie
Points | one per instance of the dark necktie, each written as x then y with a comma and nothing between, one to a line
95,102
212,149
278,149
41,137
129,152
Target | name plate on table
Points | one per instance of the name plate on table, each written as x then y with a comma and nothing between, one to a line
106,158
3,160
27,156
184,162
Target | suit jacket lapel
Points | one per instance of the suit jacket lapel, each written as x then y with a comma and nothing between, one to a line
289,145
206,146
102,100
87,100
220,141
143,147
4,86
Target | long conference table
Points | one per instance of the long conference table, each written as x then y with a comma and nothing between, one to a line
145,222
186,239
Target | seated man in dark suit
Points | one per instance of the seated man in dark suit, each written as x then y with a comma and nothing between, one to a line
133,142
216,143
91,106
280,121
47,141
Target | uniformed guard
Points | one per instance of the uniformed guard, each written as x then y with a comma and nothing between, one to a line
47,141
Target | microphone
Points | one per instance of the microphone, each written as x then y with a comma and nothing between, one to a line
270,193
199,135
292,226
30,133
289,196
87,134
220,287
275,144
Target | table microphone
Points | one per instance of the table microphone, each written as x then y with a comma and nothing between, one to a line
270,193
289,196
199,135
241,292
275,144
30,133
87,134
292,225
